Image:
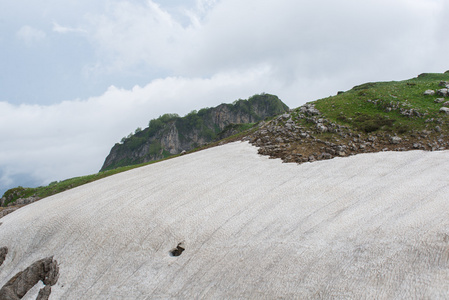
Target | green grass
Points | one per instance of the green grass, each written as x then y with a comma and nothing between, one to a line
57,187
377,106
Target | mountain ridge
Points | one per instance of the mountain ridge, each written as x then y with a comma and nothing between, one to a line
171,134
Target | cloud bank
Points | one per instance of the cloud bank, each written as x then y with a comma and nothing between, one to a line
73,138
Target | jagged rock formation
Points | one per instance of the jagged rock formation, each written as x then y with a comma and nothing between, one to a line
45,270
171,134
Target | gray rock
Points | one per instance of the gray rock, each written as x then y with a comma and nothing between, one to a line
25,201
443,83
310,110
395,140
321,127
279,140
443,92
45,270
326,155
7,211
439,100
444,110
44,293
429,93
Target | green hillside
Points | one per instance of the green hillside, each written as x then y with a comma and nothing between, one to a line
372,117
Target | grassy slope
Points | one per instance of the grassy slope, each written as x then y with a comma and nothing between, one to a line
385,100
368,118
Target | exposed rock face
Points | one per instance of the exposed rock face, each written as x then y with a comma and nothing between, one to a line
45,270
192,131
25,201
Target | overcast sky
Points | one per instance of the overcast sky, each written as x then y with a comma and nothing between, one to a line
77,75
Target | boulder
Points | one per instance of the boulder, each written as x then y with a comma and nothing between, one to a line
429,93
45,270
321,127
443,92
444,110
395,140
439,100
444,83
309,110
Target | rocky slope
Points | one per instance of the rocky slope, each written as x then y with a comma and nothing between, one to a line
385,123
171,134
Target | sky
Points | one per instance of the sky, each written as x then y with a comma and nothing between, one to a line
76,76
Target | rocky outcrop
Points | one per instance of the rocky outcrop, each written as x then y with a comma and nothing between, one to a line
6,211
45,270
17,196
305,135
168,137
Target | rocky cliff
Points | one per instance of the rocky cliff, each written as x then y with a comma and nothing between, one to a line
171,134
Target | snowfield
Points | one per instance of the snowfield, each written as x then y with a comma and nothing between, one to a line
363,227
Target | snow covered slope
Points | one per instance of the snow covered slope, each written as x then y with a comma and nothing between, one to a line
367,226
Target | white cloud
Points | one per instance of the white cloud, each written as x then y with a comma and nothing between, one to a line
299,38
30,35
62,29
72,138
134,34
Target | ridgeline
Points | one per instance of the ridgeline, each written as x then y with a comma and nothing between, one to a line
383,116
171,134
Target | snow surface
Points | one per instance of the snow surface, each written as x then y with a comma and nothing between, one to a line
367,226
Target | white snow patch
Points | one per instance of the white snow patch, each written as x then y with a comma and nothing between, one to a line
367,226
